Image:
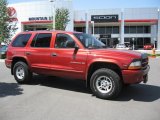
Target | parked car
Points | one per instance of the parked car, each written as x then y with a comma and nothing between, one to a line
148,47
3,50
75,55
122,47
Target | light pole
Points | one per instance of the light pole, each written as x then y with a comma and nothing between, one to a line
92,26
133,43
158,32
86,19
154,43
54,12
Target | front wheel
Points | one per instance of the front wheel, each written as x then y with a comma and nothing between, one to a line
105,83
21,72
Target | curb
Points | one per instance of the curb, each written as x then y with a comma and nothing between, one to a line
153,57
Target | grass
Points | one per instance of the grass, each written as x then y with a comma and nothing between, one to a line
157,55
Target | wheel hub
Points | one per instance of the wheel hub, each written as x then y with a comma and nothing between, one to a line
104,84
20,72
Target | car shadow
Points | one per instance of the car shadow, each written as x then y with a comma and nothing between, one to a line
140,92
61,83
10,89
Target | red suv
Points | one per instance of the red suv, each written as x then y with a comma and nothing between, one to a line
77,56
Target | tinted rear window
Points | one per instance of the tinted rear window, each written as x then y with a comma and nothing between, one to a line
42,40
21,40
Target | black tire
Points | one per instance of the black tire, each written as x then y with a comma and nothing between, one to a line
25,76
111,82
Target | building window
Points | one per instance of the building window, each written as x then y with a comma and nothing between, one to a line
102,30
96,30
115,30
137,29
147,29
147,41
140,29
126,29
80,29
138,42
108,30
132,29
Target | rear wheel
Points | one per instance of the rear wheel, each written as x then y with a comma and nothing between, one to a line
21,72
105,83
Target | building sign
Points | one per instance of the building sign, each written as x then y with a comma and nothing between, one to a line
39,18
12,14
105,36
104,18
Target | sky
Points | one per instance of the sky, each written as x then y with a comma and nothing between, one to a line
103,4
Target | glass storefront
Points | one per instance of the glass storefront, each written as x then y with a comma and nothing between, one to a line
137,29
138,42
37,27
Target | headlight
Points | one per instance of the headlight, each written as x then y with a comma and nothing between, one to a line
135,65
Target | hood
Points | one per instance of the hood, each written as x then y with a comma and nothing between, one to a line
116,53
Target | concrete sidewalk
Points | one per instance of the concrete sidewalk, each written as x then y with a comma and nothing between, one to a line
148,51
2,60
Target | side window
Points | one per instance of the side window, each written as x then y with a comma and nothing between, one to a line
64,41
21,40
42,40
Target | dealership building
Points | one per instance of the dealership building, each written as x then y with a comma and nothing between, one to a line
128,25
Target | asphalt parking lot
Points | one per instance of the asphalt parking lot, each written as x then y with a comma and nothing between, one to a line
51,98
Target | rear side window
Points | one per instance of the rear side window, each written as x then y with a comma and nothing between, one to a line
42,40
21,40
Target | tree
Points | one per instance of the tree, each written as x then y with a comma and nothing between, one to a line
7,24
61,18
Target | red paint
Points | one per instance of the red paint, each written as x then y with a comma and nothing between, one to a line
141,20
136,20
11,11
12,14
40,21
69,64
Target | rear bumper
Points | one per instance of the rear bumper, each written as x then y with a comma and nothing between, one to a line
8,63
135,76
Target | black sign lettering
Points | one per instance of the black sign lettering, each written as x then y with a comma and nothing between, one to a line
104,18
38,18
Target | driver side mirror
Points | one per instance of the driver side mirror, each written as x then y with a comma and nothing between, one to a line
76,48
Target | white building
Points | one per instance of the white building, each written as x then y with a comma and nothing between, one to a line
141,25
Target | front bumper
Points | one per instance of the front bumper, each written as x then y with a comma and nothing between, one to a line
135,76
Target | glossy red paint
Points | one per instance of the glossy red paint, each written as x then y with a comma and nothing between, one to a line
136,75
70,63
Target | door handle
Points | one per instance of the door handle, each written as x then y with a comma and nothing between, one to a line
28,53
54,54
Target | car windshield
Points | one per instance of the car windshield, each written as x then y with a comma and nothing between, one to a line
89,41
